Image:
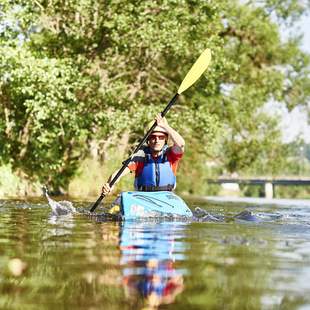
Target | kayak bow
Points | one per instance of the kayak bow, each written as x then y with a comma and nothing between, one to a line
136,205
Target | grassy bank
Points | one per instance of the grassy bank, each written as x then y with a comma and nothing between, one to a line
92,174
14,185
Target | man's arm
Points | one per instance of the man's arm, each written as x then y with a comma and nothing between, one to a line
133,165
178,141
106,189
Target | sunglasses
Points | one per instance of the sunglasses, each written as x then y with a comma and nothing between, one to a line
154,137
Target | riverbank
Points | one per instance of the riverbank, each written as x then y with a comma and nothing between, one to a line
87,183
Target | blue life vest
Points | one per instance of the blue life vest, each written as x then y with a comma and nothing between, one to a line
157,174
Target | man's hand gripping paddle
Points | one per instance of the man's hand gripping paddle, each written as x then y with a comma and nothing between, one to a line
191,77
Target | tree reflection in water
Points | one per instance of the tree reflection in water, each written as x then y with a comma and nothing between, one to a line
150,253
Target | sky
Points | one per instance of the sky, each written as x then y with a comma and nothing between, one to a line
304,27
295,123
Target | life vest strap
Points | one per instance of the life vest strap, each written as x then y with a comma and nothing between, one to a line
150,188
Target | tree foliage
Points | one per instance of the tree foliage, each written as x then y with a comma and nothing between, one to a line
77,71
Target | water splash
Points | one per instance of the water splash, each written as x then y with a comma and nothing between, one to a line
203,215
59,208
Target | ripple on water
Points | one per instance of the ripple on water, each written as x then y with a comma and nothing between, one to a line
88,263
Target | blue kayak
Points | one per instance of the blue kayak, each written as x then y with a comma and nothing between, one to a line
136,205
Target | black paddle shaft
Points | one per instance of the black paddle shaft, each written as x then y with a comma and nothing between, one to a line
127,161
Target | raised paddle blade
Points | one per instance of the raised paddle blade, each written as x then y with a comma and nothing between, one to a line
196,71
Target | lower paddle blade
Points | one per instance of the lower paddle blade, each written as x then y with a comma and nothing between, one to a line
196,71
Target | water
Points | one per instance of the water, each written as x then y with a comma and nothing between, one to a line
74,261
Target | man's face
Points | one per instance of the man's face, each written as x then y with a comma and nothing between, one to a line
157,141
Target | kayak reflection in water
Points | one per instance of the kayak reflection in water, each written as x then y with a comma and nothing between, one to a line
155,165
158,285
148,259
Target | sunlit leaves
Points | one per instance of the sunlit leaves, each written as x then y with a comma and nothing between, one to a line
44,116
76,71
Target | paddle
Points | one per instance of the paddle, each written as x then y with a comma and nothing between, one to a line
191,77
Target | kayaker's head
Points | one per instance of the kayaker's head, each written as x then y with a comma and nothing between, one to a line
157,139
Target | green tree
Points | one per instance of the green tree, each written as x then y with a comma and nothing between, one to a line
77,71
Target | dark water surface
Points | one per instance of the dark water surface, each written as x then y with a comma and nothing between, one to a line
78,262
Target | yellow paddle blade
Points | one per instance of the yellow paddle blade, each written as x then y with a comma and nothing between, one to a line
196,71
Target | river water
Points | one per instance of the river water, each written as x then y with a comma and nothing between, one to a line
80,262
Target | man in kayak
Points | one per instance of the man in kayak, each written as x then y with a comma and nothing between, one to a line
156,164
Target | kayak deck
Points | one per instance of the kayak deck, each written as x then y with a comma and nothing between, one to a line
153,204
